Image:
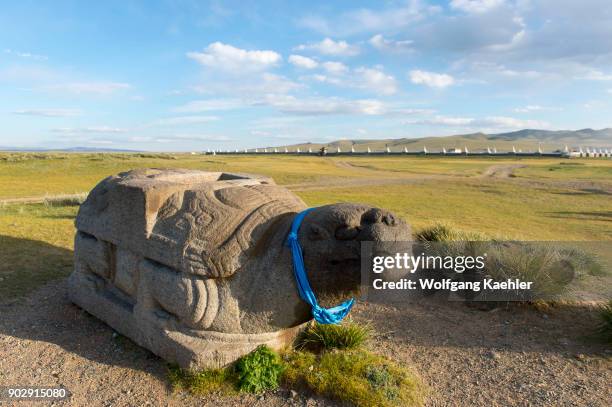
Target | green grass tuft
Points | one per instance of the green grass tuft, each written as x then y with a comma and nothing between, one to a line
346,335
260,370
357,376
445,233
203,381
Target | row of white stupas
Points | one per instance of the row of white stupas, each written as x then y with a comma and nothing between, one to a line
588,152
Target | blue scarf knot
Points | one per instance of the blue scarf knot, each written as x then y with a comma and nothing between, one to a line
322,315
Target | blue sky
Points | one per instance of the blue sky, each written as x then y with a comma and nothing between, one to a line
192,75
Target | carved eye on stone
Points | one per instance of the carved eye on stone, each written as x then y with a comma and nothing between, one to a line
316,232
372,216
389,219
347,233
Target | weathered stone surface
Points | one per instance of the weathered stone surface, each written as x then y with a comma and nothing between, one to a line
192,265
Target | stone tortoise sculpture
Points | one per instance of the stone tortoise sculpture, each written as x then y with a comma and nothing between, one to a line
192,265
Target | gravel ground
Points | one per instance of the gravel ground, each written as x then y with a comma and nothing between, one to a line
515,356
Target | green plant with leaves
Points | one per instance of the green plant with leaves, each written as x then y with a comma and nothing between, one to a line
260,370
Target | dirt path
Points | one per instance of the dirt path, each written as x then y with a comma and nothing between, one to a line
467,357
40,199
501,171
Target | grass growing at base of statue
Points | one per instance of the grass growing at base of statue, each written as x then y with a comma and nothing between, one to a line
348,335
338,367
604,330
355,376
256,372
204,381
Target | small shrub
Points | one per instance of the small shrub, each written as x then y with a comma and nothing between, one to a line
358,377
347,335
259,370
445,233
605,327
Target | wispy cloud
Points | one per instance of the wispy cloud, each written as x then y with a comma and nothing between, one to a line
89,130
324,106
431,79
208,105
383,44
27,55
94,88
534,108
303,62
595,75
49,112
330,47
192,137
497,122
365,20
475,6
185,120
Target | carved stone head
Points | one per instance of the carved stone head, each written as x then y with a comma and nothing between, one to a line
331,238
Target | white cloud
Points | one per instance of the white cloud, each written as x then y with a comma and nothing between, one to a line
183,120
96,88
197,106
331,47
89,130
381,43
303,62
475,6
333,80
335,68
431,79
376,81
49,112
324,106
227,57
491,122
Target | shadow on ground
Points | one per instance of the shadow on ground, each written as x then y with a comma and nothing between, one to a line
27,264
34,305
563,329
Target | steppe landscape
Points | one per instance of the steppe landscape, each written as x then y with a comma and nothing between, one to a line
516,355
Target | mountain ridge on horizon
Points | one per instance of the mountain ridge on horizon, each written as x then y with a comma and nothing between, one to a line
526,139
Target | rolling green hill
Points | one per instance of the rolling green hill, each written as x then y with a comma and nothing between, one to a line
525,140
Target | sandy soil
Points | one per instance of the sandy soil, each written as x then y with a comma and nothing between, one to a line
516,356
